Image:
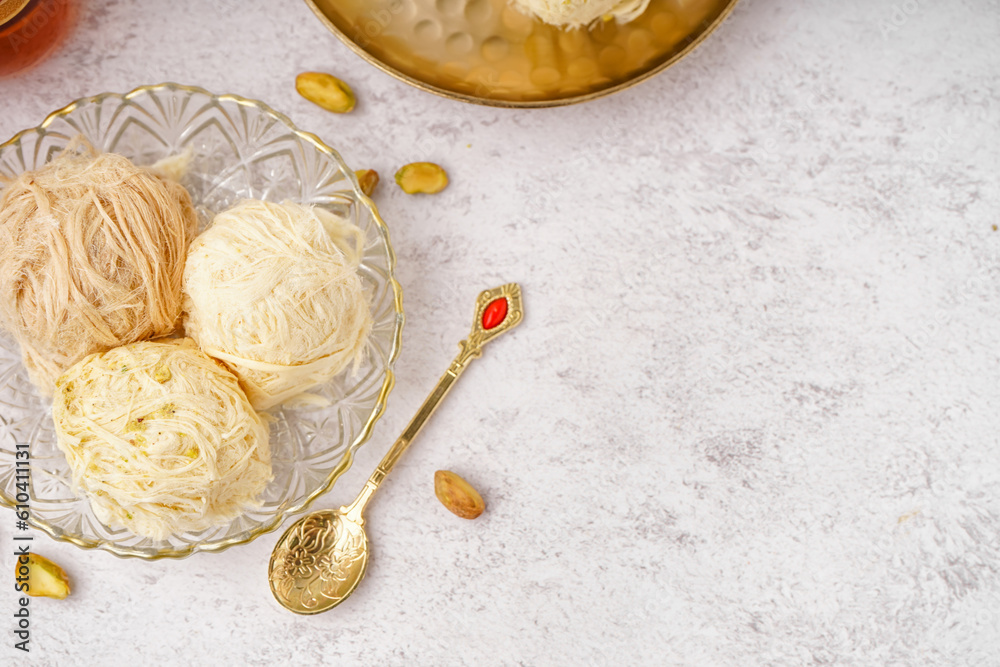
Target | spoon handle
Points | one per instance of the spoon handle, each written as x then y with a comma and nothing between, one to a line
498,310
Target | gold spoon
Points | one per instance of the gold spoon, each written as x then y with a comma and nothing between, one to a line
322,557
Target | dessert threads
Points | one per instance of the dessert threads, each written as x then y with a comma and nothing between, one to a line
577,13
91,257
160,438
273,291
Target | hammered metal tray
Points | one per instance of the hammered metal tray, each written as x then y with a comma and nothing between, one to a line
485,52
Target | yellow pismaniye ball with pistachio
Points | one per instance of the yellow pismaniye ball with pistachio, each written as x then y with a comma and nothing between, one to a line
161,438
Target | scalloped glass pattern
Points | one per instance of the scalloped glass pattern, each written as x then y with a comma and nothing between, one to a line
241,149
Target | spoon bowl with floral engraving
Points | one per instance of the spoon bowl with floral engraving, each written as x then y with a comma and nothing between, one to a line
322,557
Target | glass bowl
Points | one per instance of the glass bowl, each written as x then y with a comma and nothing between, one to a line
240,149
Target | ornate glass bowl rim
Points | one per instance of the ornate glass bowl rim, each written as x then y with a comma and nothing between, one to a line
366,429
630,82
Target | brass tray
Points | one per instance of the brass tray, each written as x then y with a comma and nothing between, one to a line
485,52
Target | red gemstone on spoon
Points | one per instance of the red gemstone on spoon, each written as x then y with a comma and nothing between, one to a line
495,313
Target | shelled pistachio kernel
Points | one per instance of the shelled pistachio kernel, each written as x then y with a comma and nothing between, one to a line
326,90
368,180
44,578
421,177
457,495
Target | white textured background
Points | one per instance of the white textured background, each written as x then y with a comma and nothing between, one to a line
752,414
